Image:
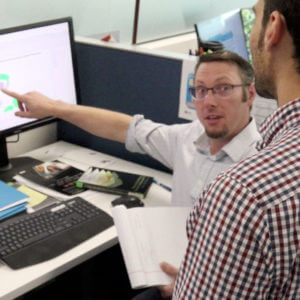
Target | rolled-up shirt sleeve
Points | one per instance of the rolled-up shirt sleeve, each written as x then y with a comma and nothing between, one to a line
155,139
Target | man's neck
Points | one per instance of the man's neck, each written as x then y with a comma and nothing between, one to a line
287,83
288,91
217,144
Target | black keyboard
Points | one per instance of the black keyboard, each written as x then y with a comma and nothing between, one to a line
33,238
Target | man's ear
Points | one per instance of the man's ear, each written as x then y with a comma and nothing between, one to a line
251,94
274,30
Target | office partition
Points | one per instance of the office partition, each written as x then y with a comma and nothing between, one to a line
129,82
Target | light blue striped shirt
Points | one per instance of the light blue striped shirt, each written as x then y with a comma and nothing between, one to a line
184,148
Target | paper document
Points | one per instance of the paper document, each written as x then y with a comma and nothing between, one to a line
149,236
35,197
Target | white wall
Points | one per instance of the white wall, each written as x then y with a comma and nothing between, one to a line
90,17
161,18
157,19
178,44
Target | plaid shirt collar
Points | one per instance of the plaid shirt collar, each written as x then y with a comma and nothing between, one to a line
283,118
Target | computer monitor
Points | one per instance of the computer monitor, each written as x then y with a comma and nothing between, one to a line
36,57
232,29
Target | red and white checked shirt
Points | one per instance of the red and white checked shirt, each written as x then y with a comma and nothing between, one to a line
244,234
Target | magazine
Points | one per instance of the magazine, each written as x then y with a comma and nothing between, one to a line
55,175
115,182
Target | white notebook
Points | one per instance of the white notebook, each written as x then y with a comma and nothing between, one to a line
149,236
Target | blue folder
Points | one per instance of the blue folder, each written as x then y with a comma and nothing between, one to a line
12,201
10,196
12,211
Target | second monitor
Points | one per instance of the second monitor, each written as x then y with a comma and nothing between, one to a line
232,29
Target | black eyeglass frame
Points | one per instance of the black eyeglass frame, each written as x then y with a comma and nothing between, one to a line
192,90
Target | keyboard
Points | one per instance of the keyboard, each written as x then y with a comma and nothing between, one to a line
33,238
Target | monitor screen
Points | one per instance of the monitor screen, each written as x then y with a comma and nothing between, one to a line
232,29
36,57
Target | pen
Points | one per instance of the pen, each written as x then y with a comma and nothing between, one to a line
162,185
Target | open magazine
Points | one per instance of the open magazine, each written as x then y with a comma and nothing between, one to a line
115,182
54,175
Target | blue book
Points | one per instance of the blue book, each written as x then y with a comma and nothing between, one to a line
10,197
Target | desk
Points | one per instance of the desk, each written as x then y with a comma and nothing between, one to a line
18,282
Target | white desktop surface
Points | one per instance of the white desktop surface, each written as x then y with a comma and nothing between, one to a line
14,283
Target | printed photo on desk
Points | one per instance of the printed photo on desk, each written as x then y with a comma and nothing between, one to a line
115,182
55,175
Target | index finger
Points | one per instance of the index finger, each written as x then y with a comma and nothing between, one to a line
14,95
11,93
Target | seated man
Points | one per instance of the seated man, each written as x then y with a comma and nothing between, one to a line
196,152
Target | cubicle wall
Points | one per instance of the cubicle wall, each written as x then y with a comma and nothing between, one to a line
129,82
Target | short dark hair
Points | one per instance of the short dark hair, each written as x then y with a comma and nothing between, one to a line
246,70
290,9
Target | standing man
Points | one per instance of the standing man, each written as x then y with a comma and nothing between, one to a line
244,232
196,152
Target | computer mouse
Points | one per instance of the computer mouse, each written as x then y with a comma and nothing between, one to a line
128,200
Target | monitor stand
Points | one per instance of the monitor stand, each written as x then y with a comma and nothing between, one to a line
15,166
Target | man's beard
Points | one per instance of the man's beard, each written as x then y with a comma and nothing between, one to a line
264,82
264,88
216,135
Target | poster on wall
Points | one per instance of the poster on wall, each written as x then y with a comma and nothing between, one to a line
186,105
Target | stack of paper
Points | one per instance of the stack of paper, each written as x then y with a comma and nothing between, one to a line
149,236
12,201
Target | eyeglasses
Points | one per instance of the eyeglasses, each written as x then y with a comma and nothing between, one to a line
222,91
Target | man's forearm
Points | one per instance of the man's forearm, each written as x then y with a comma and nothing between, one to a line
104,123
